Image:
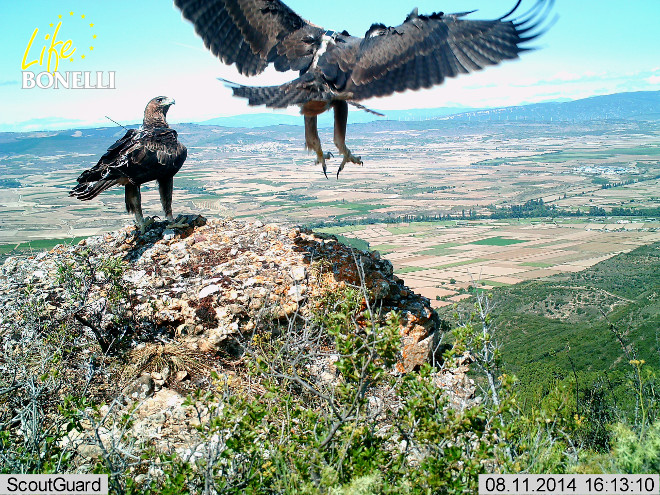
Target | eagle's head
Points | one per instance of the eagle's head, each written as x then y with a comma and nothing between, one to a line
154,114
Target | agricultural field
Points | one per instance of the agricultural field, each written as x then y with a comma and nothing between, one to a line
431,168
440,260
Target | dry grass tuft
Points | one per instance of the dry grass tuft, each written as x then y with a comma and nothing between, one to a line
157,357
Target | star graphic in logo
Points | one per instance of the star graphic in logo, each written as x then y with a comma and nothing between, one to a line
73,48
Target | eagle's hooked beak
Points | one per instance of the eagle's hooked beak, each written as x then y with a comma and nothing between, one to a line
168,102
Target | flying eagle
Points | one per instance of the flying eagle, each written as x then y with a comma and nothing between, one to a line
151,152
337,69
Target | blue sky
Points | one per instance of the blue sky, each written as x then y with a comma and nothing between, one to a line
596,47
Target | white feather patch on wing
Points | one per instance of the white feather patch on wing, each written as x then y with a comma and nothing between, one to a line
325,41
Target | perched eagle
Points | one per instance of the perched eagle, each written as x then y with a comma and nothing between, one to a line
151,152
337,69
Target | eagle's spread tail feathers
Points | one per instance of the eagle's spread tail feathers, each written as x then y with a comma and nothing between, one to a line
282,96
89,190
296,92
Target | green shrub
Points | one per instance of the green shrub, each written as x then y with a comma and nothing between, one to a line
321,408
636,452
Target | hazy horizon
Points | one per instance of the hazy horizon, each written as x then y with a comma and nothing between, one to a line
577,57
278,117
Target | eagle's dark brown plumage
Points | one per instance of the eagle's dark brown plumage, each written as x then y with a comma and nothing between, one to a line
337,69
152,152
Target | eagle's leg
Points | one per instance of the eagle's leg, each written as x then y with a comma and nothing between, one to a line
165,188
341,118
313,142
134,205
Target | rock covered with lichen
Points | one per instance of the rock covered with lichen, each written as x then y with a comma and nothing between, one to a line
213,282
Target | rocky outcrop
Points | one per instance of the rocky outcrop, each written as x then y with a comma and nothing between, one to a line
193,296
212,283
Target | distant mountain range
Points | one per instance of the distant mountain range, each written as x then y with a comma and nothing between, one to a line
327,119
641,105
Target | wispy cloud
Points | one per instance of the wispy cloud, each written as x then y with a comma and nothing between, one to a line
48,123
564,76
185,45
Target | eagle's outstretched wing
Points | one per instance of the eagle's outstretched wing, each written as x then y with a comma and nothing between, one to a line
140,156
424,50
254,33
419,53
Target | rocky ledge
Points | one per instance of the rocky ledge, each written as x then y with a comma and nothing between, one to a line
208,284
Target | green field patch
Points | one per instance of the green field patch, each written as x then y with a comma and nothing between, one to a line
353,242
651,150
354,207
439,249
9,184
342,230
413,189
411,269
495,162
385,248
8,211
460,263
260,194
37,245
563,156
360,207
497,241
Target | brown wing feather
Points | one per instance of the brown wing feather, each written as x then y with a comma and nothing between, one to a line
138,157
253,33
424,50
419,53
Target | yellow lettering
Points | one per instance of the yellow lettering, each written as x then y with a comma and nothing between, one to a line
27,50
56,51
63,53
53,51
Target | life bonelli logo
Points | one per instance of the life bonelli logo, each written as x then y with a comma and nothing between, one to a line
51,51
